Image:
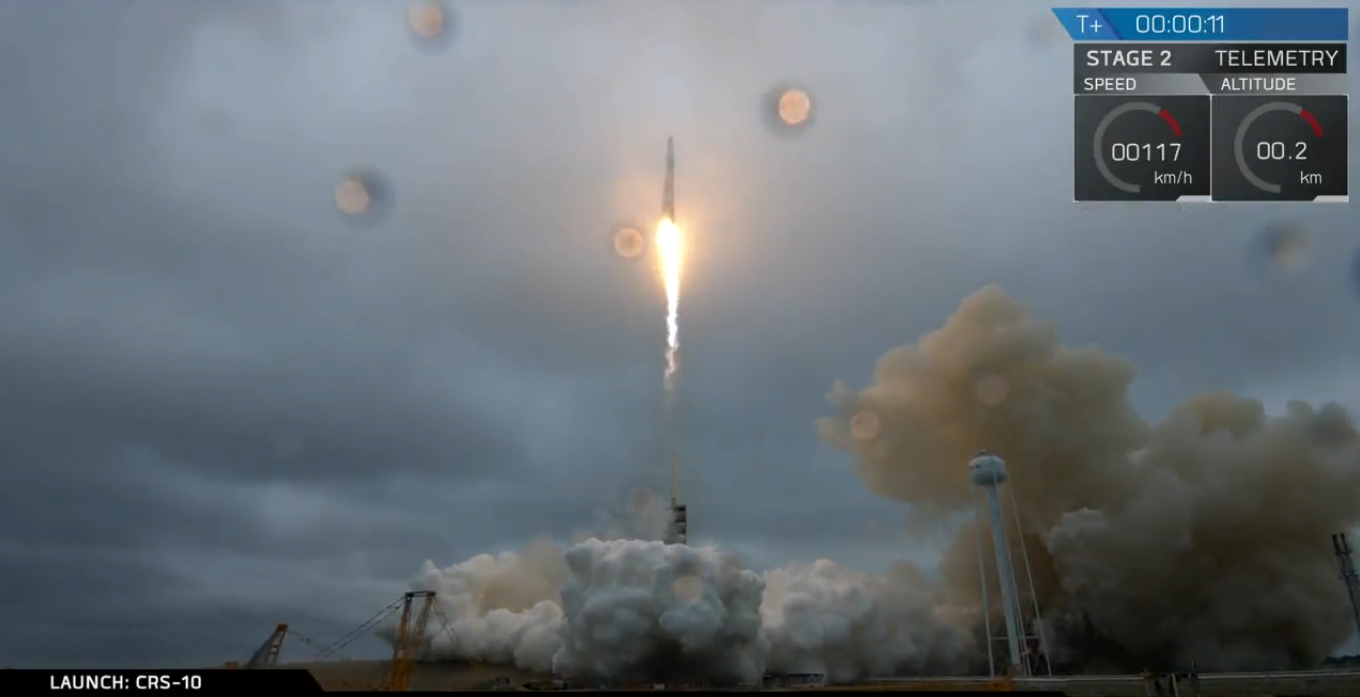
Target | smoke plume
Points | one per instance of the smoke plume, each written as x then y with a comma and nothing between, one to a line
1202,538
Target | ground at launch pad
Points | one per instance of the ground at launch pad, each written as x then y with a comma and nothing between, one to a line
461,676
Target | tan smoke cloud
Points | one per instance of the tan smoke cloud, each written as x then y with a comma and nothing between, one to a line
1204,537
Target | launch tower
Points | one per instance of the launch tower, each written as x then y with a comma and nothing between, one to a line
678,531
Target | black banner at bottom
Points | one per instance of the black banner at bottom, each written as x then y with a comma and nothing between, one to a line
212,680
168,681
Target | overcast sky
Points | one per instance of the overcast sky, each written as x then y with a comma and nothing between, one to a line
223,406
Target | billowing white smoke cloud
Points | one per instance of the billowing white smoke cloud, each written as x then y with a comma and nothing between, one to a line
502,609
825,619
635,609
632,609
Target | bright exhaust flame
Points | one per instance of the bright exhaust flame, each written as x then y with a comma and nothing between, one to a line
670,247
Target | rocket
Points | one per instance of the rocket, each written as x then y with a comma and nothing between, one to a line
668,194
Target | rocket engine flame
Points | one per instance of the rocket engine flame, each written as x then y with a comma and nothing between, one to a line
670,247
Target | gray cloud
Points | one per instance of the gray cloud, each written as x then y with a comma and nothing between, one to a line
214,391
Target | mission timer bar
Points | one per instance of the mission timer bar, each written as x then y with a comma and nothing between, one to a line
1205,24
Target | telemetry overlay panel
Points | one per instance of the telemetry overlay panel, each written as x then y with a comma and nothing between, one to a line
1209,105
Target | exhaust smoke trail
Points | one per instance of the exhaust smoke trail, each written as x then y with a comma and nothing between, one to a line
670,247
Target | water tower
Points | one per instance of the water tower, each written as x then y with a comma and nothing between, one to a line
988,473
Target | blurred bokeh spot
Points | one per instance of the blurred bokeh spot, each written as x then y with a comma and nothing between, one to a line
1044,31
1281,249
788,109
993,390
629,242
864,425
430,23
363,195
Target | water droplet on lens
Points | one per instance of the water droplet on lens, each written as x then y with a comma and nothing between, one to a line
363,196
993,390
1281,249
788,109
430,23
629,242
864,425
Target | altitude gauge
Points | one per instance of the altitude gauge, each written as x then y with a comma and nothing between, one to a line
1136,148
1280,148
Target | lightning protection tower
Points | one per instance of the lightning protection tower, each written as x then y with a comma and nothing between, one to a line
678,531
988,473
1346,565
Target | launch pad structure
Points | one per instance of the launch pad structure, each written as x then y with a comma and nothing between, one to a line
1026,668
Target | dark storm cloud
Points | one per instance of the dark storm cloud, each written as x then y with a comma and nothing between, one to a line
215,390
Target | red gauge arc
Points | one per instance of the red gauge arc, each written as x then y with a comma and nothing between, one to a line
1312,121
1172,122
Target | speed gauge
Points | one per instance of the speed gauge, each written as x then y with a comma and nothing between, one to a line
1135,148
1280,148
